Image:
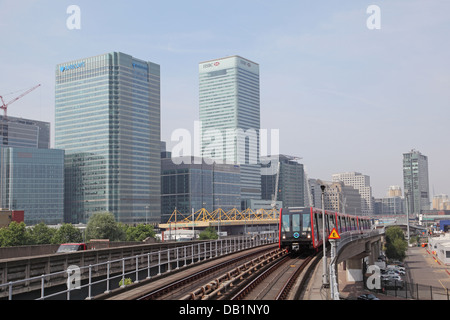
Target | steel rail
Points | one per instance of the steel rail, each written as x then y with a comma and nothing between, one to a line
159,292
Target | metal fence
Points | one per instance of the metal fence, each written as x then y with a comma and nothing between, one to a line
83,284
415,291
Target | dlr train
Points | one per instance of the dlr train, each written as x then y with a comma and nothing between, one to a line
301,227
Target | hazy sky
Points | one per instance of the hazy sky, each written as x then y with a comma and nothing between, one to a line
344,97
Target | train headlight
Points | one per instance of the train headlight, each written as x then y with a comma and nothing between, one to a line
308,236
284,236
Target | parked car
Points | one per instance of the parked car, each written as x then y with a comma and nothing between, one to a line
367,296
390,283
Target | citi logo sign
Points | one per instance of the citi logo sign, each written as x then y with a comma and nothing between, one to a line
72,66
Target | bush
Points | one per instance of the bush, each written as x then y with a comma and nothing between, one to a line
127,282
208,233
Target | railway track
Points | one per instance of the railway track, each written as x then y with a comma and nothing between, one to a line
170,285
268,277
258,274
271,285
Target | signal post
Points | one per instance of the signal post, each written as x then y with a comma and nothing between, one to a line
334,237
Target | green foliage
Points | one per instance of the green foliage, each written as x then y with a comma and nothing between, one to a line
67,233
15,235
102,225
396,244
41,234
127,282
208,233
140,232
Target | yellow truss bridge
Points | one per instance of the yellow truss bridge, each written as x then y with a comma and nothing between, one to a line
203,218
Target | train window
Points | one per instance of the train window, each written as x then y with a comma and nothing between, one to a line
286,225
331,221
315,227
319,227
306,222
295,222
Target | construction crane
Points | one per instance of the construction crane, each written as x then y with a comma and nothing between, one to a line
4,105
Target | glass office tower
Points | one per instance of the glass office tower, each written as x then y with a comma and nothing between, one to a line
108,122
415,182
230,118
291,180
32,180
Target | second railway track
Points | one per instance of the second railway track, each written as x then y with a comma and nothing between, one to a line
258,274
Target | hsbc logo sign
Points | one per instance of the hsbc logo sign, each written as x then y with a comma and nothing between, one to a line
248,64
239,63
212,64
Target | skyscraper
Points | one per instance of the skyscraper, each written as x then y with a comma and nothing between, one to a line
108,122
291,180
415,181
230,118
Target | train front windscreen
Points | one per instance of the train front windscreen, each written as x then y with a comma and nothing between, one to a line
295,227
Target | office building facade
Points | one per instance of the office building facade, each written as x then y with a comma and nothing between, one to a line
197,184
337,196
291,180
361,183
32,180
108,122
441,202
415,182
24,133
229,94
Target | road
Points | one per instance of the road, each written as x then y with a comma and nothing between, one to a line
423,269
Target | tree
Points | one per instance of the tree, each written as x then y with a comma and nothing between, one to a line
102,225
208,233
14,235
67,233
140,232
396,244
40,234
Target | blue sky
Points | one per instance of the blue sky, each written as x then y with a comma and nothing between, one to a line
344,97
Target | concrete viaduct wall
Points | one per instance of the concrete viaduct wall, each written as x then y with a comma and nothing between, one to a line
351,255
15,269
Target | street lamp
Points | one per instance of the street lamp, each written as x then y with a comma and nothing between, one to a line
407,214
324,244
